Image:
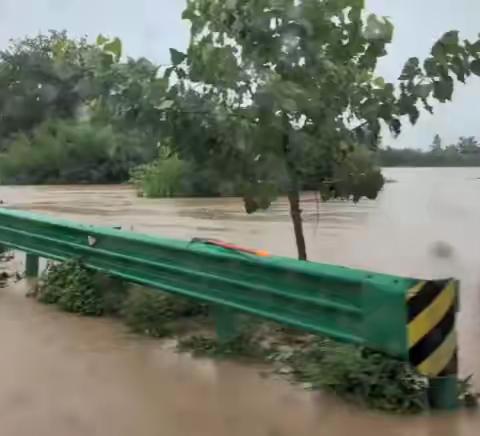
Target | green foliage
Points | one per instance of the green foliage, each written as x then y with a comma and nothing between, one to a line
71,287
77,289
70,152
114,292
362,376
40,78
315,60
151,312
285,84
170,176
52,283
352,178
50,79
164,177
241,346
177,56
352,372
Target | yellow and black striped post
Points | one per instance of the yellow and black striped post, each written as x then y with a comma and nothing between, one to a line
432,338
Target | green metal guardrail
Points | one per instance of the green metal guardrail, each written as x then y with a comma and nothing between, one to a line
406,318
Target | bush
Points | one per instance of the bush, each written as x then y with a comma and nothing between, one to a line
114,293
361,375
163,177
61,151
170,176
354,373
151,312
77,289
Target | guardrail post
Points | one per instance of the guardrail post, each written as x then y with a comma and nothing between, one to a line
443,392
31,265
225,323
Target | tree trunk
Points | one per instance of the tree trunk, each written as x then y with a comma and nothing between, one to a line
294,194
296,214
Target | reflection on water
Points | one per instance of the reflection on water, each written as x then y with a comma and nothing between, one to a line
62,375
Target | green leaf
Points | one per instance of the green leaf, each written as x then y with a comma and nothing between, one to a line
177,56
405,103
115,48
450,38
413,114
459,68
378,29
475,67
439,53
431,67
395,126
423,91
473,49
379,82
101,39
443,90
427,106
410,70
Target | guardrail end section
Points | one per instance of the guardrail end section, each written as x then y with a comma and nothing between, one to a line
432,339
384,314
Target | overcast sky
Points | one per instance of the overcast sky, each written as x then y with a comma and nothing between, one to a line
150,27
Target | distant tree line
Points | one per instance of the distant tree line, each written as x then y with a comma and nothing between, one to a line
465,153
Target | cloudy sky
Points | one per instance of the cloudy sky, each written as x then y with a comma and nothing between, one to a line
150,27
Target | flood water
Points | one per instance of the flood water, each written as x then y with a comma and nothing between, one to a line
62,375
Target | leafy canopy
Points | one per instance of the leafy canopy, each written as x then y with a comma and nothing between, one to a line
293,82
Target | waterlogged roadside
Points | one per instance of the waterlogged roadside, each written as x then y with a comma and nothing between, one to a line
69,375
356,374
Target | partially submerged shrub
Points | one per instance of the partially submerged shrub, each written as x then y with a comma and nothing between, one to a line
114,292
75,288
53,282
161,178
362,375
151,312
244,345
355,373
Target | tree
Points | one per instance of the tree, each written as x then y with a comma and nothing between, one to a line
436,144
69,151
295,82
51,82
43,77
468,145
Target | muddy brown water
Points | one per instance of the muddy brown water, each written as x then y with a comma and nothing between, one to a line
62,375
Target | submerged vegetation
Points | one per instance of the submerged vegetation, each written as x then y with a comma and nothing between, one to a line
271,97
357,374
